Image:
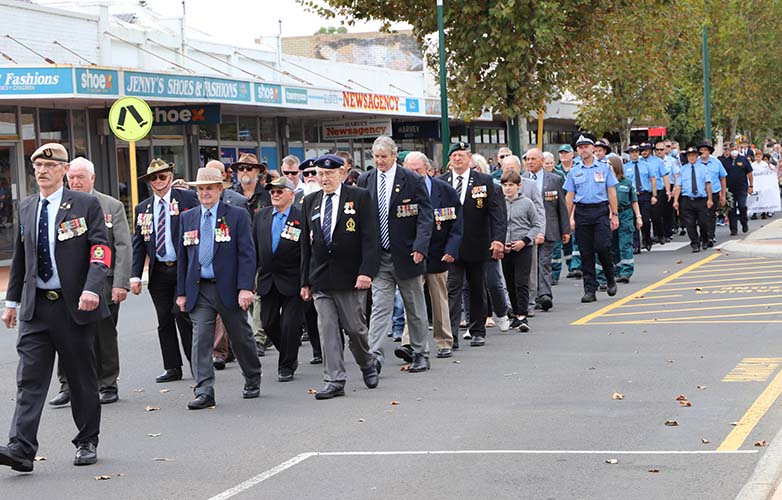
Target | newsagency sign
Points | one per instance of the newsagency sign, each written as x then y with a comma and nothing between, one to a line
356,129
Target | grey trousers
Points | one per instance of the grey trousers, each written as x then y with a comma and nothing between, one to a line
533,280
345,308
412,290
240,334
545,253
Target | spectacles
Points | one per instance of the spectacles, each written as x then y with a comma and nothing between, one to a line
244,168
502,157
48,165
308,173
659,149
290,172
276,192
158,177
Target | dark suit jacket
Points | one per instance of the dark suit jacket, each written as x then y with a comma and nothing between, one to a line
142,249
483,224
282,267
233,262
448,238
406,233
556,217
352,252
72,257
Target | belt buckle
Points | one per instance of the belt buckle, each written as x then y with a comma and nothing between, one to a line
52,295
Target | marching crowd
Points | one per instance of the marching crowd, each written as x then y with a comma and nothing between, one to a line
332,253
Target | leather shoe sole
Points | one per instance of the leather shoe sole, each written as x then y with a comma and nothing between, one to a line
588,297
404,352
201,402
611,290
253,392
477,342
86,455
18,464
108,397
329,393
317,360
284,377
169,376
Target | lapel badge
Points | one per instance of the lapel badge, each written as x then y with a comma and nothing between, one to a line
350,225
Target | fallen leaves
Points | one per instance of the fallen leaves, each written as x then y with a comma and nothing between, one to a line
685,404
361,420
151,408
311,391
612,461
671,423
102,478
163,391
679,261
705,441
761,443
394,403
163,459
404,368
702,387
40,459
654,471
617,396
698,289
154,435
681,397
138,390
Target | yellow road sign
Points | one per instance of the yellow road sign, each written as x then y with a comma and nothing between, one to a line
130,118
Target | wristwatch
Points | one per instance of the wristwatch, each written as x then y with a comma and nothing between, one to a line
613,214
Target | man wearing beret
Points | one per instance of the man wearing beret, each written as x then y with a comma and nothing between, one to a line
484,236
154,238
338,261
61,257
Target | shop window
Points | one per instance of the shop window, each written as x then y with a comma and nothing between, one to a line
268,132
500,136
207,132
79,120
208,153
228,128
28,136
295,128
54,126
310,130
8,128
167,132
175,154
248,129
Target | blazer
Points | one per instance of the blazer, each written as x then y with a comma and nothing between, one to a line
119,239
283,267
146,248
231,197
484,220
353,250
234,261
72,257
557,220
447,234
410,219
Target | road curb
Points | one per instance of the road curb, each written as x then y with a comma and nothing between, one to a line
749,249
767,473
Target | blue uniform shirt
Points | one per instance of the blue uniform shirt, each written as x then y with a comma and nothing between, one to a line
657,169
701,178
590,183
716,172
643,169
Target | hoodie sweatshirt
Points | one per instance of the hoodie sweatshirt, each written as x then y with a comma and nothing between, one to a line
524,221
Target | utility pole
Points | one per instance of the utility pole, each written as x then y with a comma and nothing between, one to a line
445,130
706,86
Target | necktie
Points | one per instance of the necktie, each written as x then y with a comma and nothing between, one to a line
276,230
382,208
638,184
326,226
160,242
45,270
206,240
694,187
459,185
534,176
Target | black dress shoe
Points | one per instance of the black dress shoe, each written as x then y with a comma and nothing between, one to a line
218,363
378,366
611,289
169,375
696,249
317,360
200,402
477,341
636,251
284,376
404,352
455,346
734,232
14,461
260,349
86,454
330,391
745,228
623,279
61,399
108,397
603,288
546,303
251,391
444,353
371,376
420,364
589,297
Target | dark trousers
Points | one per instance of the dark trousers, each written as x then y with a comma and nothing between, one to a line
739,212
593,231
281,317
162,288
669,220
52,330
106,350
658,215
645,204
476,280
711,214
694,215
516,266
311,320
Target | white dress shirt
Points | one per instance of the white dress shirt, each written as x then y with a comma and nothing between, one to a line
334,207
465,180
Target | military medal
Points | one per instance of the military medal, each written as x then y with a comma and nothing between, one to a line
350,225
349,210
144,222
173,207
107,218
479,203
222,233
190,238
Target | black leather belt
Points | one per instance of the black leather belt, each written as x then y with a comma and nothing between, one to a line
50,295
208,280
167,264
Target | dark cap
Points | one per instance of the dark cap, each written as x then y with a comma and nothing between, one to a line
566,148
603,143
329,162
691,149
585,139
458,146
644,146
706,144
633,147
309,163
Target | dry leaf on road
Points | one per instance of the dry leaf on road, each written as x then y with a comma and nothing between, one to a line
761,443
702,387
311,391
705,441
361,420
163,391
404,368
157,434
617,396
394,403
685,404
653,470
40,459
612,461
102,478
681,397
152,408
162,459
671,423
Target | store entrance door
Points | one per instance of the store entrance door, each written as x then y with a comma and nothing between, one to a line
8,201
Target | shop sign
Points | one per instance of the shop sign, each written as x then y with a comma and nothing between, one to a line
295,96
187,115
417,130
38,81
268,93
325,98
411,105
370,102
97,81
185,87
356,129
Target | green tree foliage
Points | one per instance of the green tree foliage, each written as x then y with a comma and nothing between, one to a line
331,30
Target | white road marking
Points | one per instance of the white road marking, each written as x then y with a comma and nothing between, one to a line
254,481
670,247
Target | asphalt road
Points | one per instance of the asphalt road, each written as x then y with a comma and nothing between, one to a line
527,416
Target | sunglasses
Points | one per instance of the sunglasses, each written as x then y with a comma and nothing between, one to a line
659,149
274,192
244,168
502,157
158,177
308,173
290,172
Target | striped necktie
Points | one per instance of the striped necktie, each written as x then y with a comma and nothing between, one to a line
382,208
160,242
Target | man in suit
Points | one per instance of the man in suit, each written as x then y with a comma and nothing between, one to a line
58,272
309,172
557,227
81,177
405,220
154,238
443,250
484,236
215,275
277,234
338,260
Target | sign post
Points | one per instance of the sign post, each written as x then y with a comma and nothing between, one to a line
130,118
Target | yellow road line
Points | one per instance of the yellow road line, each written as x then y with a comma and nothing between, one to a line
736,315
739,286
753,268
730,262
646,297
688,309
754,297
703,322
643,291
751,418
723,280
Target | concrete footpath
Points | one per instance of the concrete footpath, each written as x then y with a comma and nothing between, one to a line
764,242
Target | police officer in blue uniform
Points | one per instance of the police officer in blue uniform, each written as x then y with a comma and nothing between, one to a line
717,175
692,198
592,205
661,190
644,181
